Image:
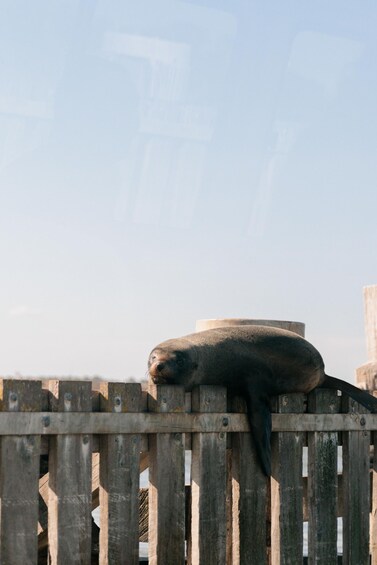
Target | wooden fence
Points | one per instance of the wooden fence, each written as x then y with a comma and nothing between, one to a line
65,449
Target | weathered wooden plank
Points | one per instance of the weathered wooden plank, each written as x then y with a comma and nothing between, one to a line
44,494
356,493
287,489
145,423
322,483
119,480
166,482
44,497
373,520
70,482
208,475
249,501
229,505
19,475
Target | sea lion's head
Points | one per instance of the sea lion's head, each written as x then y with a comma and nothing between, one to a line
172,362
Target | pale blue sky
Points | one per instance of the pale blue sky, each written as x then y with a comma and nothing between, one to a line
166,161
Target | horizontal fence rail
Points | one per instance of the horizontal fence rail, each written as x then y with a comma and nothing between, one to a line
66,449
45,423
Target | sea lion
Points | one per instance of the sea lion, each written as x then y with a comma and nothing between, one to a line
257,362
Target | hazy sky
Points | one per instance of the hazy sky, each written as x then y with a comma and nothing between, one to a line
167,161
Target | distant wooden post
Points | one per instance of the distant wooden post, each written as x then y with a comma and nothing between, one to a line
366,375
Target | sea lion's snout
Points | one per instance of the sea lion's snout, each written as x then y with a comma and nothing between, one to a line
161,367
156,371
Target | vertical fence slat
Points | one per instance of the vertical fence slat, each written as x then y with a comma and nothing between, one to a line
229,504
119,480
208,487
322,483
19,478
70,481
373,521
249,501
287,489
356,490
166,482
70,485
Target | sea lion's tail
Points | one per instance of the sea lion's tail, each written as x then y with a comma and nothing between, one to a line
361,396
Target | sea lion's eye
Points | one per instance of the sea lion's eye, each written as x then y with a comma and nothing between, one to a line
180,361
151,359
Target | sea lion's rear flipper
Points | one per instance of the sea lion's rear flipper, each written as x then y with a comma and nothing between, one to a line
361,396
259,416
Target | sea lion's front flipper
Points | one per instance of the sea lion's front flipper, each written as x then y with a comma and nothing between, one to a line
259,416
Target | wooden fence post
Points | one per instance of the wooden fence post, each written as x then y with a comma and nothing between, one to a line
249,500
208,483
166,482
70,481
322,482
356,494
19,477
373,516
287,489
119,480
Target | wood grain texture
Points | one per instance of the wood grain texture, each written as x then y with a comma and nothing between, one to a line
19,475
287,489
356,492
48,424
166,482
322,483
119,480
373,520
249,501
70,482
208,494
